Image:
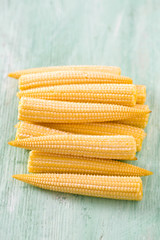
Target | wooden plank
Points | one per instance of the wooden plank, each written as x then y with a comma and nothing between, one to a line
33,34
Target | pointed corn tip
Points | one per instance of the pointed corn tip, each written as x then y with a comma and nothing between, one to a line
12,75
12,143
21,177
16,176
148,173
148,111
144,172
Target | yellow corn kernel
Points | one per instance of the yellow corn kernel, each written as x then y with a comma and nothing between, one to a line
111,147
121,94
107,69
102,129
141,94
39,162
124,188
26,130
69,77
39,110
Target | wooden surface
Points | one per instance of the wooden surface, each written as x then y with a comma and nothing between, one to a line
41,33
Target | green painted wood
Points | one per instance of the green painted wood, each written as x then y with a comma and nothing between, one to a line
41,33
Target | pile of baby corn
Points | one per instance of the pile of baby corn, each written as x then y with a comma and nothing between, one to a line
78,121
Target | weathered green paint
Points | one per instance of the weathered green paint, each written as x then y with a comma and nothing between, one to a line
53,32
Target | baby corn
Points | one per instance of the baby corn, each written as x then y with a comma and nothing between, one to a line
102,129
69,77
141,94
121,94
124,188
109,147
107,69
39,110
39,162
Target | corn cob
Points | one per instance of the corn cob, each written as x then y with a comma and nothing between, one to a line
111,147
121,94
69,77
39,162
107,69
137,121
39,110
141,94
26,130
102,129
124,188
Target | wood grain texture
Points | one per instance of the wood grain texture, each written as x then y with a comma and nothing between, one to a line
53,32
